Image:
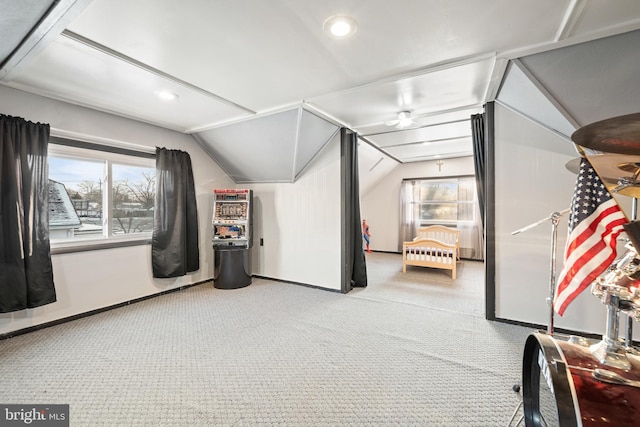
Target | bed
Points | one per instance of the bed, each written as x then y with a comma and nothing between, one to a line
441,252
444,234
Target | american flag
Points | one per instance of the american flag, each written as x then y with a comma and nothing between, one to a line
595,222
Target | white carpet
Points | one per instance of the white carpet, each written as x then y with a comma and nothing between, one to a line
280,354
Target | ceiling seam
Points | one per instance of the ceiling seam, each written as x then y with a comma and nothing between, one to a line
57,15
537,122
295,145
84,104
543,90
339,123
600,33
424,115
429,141
570,19
432,68
418,127
304,168
431,157
207,150
122,57
326,116
380,149
496,79
233,121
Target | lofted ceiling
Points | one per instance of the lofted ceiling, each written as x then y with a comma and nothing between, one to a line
263,88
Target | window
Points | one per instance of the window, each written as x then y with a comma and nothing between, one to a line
98,196
445,201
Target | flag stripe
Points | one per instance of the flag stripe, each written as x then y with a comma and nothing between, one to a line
594,225
581,279
576,276
607,218
586,267
587,241
578,247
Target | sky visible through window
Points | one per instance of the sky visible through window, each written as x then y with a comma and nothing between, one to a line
71,172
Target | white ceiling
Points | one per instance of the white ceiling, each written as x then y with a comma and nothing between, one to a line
236,65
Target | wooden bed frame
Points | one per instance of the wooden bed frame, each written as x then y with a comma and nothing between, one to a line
444,234
431,252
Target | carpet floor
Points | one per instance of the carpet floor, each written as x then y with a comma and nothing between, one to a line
410,349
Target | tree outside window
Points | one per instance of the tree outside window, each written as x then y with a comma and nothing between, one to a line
446,201
117,207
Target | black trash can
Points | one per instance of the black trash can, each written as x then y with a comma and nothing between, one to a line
232,267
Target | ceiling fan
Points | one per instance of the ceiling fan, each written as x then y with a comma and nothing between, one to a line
404,120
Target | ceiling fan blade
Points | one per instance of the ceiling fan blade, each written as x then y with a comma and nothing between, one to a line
404,120
405,125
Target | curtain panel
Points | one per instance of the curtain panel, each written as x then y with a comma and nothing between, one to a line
26,273
174,244
354,263
478,138
408,213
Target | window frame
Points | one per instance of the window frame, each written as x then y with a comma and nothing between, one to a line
417,204
109,155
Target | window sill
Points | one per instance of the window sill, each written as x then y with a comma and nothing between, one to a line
96,245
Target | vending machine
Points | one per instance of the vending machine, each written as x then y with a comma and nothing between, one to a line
232,238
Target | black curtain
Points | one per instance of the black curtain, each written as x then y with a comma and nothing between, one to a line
354,263
483,133
174,245
478,137
26,274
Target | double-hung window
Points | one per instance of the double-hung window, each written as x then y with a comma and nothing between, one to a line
99,196
447,201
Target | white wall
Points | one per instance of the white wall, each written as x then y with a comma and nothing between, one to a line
380,206
87,281
532,182
300,224
373,167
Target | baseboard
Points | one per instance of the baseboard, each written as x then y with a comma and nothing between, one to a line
555,330
306,285
96,311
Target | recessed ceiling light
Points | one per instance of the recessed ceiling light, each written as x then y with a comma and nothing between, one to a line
166,95
340,27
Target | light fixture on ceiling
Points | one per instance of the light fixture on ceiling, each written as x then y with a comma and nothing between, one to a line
166,95
340,27
404,120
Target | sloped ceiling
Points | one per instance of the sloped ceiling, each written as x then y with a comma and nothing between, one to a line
287,141
20,19
591,81
570,87
230,62
520,93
